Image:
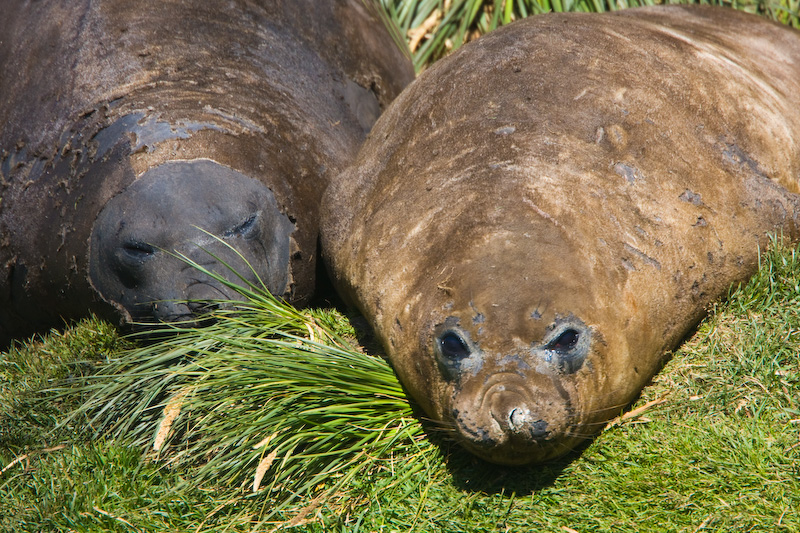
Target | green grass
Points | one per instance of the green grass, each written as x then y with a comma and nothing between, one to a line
718,448
713,444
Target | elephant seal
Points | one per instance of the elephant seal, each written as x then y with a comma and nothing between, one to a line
129,127
541,216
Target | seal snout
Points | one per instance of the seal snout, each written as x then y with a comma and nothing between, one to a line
520,422
511,417
515,420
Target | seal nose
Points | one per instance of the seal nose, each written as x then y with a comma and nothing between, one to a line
517,421
171,311
517,418
511,418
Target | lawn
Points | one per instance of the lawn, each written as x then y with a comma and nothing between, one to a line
275,418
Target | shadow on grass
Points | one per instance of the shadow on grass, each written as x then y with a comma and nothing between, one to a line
476,475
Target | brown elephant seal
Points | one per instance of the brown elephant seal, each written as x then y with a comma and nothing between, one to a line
129,127
539,217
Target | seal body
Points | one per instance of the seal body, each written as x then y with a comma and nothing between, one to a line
541,216
131,129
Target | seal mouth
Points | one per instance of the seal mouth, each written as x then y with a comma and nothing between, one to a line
160,319
514,420
180,311
200,299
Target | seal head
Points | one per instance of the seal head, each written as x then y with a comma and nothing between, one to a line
209,213
516,361
152,110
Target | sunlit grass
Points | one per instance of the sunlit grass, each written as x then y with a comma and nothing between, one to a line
264,399
436,27
716,447
273,417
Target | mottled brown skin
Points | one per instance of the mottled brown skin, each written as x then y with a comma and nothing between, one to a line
96,95
540,217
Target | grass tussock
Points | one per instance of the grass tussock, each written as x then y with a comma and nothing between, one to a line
434,28
266,400
266,405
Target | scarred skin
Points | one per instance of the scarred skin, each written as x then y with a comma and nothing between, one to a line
266,100
543,215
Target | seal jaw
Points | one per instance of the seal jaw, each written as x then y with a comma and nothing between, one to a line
515,420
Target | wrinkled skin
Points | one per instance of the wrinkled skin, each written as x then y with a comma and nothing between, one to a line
528,254
271,98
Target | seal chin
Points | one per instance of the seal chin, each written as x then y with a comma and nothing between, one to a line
513,424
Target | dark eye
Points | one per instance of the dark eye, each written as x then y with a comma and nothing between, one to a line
453,346
137,251
245,229
564,342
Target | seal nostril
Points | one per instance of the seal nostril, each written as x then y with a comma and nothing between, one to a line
519,423
517,418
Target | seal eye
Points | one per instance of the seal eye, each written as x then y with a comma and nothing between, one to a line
564,342
137,252
569,345
246,229
129,261
453,346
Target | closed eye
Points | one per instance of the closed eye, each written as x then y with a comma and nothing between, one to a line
245,229
137,251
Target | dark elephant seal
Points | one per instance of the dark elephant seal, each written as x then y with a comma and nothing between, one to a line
129,126
538,218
